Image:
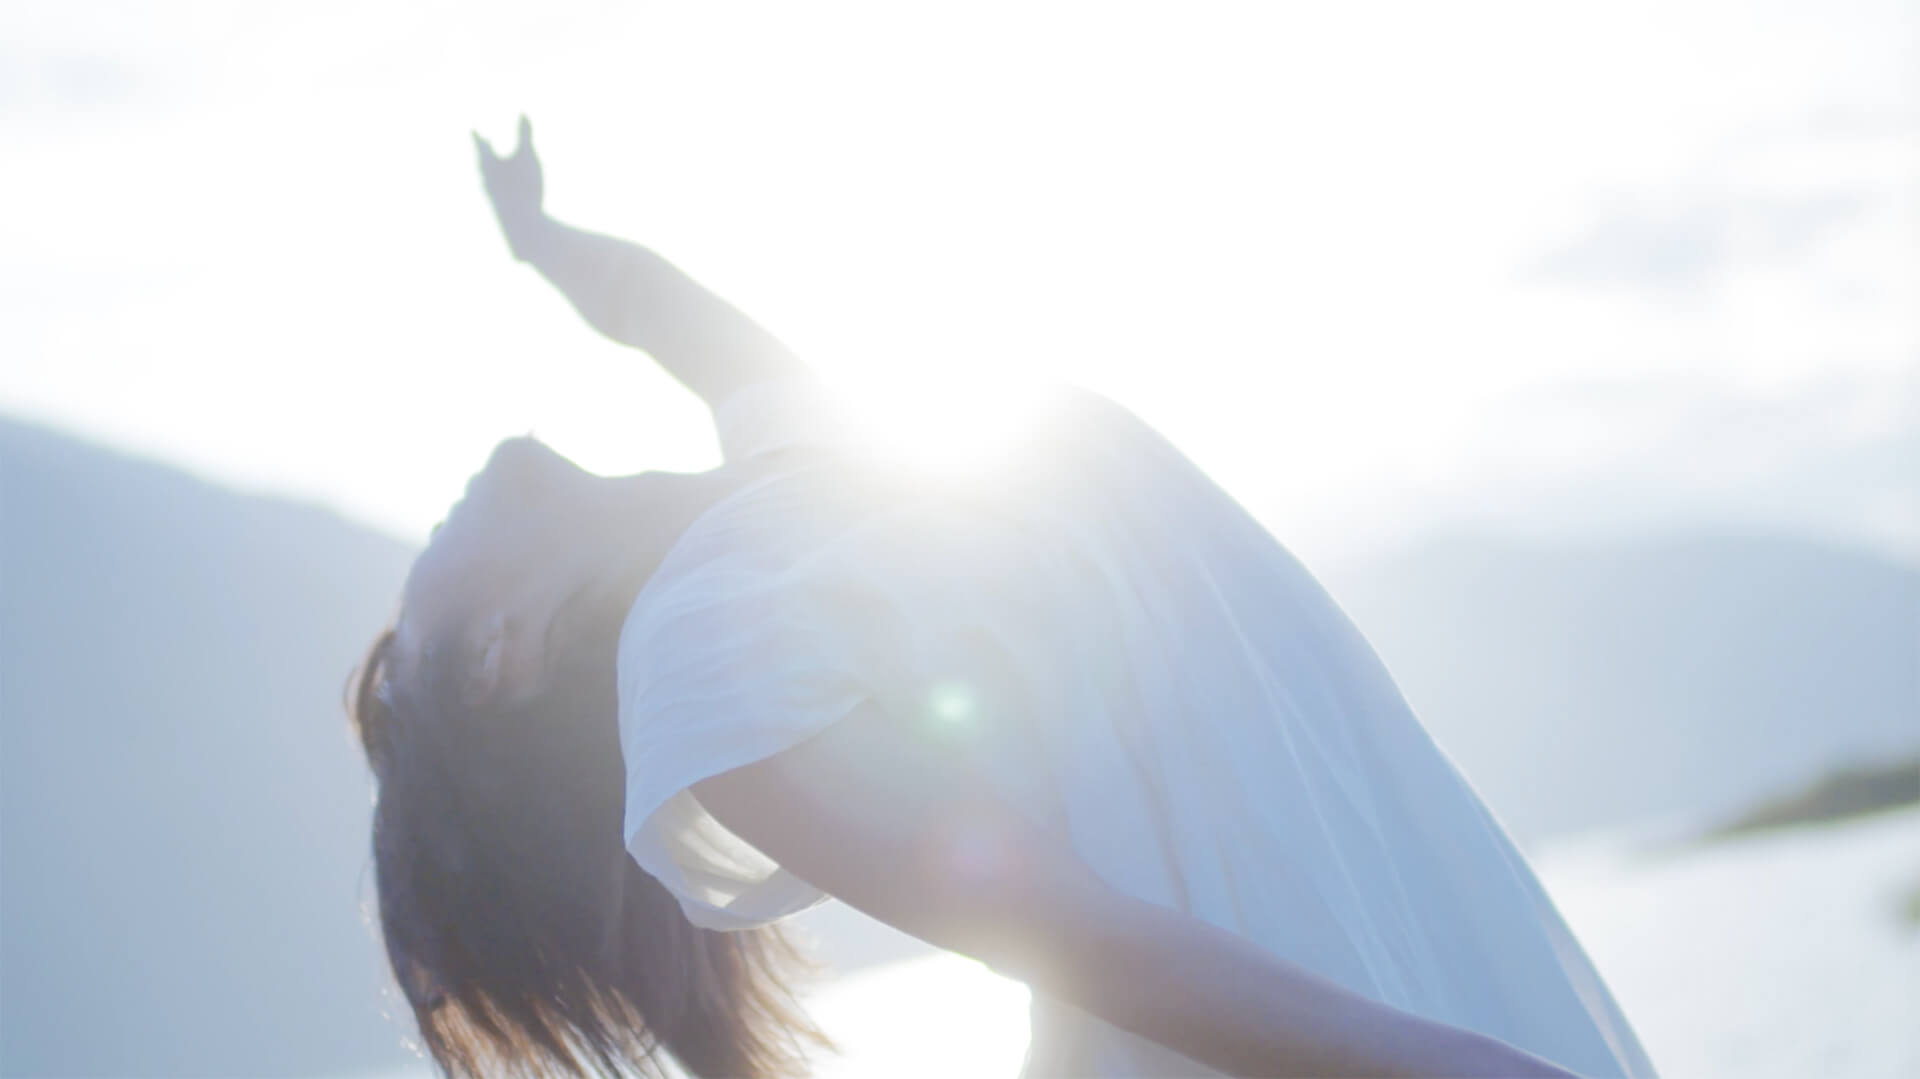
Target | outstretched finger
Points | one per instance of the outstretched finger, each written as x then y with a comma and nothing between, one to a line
525,136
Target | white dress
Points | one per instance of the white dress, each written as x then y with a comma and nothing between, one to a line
1129,658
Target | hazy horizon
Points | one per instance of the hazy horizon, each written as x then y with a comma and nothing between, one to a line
1584,688
1574,346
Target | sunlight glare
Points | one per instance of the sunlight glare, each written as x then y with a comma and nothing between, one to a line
949,426
940,1016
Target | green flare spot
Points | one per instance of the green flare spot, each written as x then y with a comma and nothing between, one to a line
951,702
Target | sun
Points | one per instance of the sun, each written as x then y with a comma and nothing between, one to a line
960,427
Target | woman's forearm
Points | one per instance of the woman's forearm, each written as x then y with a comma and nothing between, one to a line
1206,994
636,297
898,826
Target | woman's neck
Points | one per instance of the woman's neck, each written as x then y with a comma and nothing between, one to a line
644,517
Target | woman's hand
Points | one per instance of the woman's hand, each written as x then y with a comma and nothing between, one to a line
628,292
516,188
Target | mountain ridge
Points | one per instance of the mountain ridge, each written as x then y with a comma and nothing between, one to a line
182,812
1687,673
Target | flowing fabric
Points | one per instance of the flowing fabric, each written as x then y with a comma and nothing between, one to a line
1130,659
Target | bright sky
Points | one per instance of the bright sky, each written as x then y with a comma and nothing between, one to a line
1378,267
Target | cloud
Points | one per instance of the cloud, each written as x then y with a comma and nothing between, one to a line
1686,246
1834,455
1764,199
71,83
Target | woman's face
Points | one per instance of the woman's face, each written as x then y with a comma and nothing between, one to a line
509,555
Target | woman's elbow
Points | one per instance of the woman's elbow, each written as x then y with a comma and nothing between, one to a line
1041,920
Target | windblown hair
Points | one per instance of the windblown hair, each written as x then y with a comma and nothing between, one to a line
523,937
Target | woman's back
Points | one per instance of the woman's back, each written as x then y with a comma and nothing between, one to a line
1132,661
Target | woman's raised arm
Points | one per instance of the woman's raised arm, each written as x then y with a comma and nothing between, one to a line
884,819
629,293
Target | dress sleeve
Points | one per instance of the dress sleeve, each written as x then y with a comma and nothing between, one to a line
785,610
745,655
731,665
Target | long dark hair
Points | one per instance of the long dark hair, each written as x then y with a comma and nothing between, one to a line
523,937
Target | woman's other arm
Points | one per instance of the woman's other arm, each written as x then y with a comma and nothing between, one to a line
628,292
881,817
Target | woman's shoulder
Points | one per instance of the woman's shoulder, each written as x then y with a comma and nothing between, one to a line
780,415
750,550
809,516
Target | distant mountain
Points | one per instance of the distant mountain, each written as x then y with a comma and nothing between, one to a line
1685,676
183,817
1838,795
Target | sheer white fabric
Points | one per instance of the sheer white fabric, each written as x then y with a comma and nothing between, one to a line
1129,658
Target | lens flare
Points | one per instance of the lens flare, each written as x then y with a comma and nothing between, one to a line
952,703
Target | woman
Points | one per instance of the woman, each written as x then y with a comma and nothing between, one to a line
1090,724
